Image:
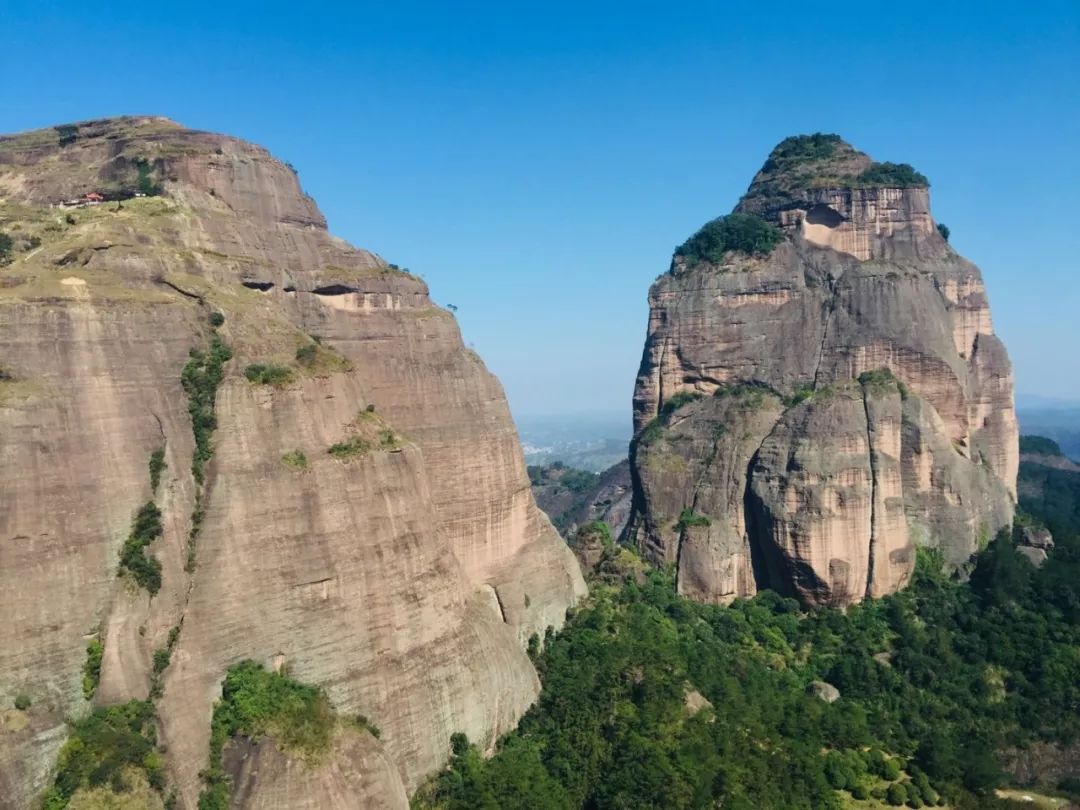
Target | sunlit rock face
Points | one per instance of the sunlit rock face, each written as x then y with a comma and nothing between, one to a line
853,400
406,581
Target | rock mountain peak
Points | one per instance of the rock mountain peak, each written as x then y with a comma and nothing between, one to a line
814,404
229,435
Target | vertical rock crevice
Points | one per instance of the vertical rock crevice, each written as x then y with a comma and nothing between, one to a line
871,452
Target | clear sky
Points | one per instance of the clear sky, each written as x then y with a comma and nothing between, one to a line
537,162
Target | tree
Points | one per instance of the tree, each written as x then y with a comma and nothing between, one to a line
943,229
896,795
67,133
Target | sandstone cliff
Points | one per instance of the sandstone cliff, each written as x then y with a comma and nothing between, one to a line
404,573
809,411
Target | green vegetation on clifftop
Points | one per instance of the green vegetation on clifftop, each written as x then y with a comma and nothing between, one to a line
747,234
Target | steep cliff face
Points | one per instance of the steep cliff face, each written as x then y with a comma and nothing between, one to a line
403,573
825,404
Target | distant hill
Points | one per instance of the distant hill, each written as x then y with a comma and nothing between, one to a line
1057,421
1049,484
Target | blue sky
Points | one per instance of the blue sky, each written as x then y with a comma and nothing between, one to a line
537,162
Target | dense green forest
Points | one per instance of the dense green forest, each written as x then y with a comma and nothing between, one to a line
650,700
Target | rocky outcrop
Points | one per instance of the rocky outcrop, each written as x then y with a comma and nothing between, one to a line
356,774
405,577
882,413
572,498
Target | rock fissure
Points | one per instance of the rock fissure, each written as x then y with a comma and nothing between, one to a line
834,290
872,461
181,290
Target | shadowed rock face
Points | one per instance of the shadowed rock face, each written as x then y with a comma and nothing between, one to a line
405,580
812,481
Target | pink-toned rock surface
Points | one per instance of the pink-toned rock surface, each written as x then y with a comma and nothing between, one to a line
827,495
405,580
356,774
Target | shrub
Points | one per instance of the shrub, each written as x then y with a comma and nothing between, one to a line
102,747
22,702
689,519
133,558
95,651
890,770
748,234
896,795
364,723
355,446
201,377
877,377
161,659
677,401
943,229
307,354
459,744
295,460
6,244
157,466
216,319
838,772
268,374
34,242
256,702
70,219
801,394
893,175
67,134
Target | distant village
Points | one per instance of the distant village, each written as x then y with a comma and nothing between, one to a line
92,198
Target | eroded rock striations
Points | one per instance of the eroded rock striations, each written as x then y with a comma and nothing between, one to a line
403,572
817,402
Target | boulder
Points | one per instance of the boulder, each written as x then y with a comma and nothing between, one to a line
823,691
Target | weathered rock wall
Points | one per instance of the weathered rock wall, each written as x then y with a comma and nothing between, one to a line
834,482
406,580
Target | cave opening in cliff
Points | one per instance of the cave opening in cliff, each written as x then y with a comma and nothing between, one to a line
333,289
261,286
822,214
